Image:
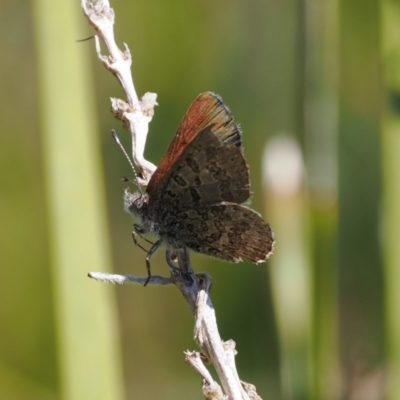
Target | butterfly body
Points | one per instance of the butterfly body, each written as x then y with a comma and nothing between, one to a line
195,197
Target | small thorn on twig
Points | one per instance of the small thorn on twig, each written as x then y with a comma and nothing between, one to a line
84,40
125,179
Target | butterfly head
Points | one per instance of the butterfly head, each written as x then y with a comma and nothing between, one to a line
136,205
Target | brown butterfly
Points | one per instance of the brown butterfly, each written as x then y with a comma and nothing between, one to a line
194,198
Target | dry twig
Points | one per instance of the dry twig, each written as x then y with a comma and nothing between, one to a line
136,115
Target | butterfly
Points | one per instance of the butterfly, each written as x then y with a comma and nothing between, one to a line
195,197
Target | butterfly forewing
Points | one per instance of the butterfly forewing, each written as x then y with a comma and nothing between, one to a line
207,110
228,231
207,172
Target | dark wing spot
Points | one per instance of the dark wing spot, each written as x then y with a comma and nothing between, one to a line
210,152
171,194
204,226
195,195
193,164
179,180
218,225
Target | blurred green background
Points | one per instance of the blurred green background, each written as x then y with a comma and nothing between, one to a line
320,320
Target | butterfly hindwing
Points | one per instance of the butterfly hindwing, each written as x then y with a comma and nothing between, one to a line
228,231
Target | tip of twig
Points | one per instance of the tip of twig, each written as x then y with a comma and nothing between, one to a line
107,277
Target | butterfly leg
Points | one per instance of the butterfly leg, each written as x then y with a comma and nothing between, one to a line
169,255
134,236
148,241
152,250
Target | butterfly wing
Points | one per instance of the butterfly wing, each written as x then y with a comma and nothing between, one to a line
207,172
210,168
228,231
207,110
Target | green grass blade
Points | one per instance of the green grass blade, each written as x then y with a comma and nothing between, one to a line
90,365
391,190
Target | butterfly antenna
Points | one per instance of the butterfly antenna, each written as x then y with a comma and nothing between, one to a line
116,138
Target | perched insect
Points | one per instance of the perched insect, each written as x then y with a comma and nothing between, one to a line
194,198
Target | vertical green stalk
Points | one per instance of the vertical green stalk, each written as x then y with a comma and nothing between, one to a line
290,265
87,331
391,189
320,132
361,290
